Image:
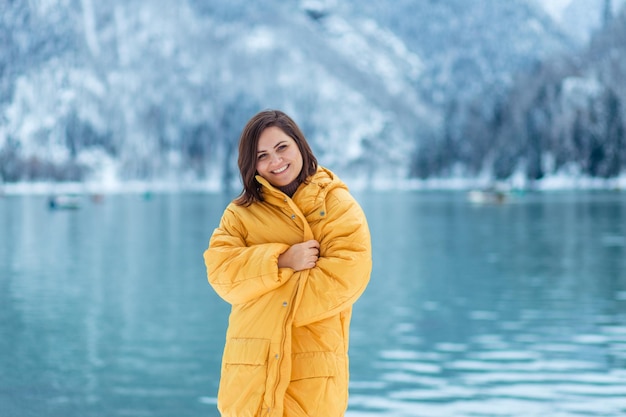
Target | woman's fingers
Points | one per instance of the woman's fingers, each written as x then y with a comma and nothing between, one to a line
313,245
301,255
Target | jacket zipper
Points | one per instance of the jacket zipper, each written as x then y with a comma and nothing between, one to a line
281,353
308,234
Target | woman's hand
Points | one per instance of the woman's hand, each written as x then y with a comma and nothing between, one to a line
300,256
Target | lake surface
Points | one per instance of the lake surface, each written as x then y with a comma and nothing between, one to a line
516,309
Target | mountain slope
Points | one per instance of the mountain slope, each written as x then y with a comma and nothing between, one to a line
155,90
565,118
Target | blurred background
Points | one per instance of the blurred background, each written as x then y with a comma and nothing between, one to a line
484,139
524,91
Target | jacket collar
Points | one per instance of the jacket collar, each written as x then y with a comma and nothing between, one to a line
310,196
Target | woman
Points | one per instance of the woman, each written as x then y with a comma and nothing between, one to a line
291,254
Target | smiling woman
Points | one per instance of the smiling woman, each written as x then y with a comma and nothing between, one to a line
292,254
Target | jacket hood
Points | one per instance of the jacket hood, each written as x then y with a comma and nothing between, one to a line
310,198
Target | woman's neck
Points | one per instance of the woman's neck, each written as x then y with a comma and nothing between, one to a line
290,189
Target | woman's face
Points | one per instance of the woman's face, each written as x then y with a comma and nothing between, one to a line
278,157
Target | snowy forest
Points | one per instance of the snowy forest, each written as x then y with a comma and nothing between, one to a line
396,90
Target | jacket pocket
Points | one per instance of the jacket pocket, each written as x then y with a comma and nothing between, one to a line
244,372
315,387
246,351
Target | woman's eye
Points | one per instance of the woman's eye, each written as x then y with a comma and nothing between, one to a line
262,156
282,147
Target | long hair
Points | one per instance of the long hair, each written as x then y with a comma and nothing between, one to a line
249,142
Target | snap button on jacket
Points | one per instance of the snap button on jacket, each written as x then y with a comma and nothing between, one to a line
286,350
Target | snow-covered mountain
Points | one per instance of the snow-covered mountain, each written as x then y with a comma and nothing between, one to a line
118,90
564,118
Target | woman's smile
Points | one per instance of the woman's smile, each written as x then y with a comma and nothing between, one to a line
280,170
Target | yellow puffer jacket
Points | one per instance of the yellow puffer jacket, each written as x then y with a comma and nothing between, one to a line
286,351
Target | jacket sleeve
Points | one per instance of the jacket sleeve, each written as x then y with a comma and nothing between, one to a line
343,270
241,273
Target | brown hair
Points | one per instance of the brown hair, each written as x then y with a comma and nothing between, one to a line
249,142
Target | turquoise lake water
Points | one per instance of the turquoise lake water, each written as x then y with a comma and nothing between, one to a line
516,309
